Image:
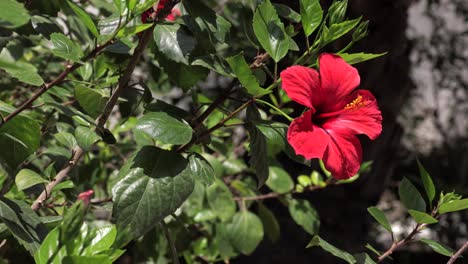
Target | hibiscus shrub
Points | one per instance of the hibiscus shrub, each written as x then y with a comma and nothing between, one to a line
160,127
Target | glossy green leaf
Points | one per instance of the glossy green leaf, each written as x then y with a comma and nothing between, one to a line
13,14
270,32
84,17
287,12
337,30
23,223
174,41
422,218
270,224
66,139
427,181
318,241
245,231
202,170
438,247
453,206
258,147
85,137
380,217
153,184
203,21
410,196
22,71
243,72
64,47
20,136
279,180
353,58
305,215
133,30
97,259
92,101
164,128
27,178
220,200
312,14
102,240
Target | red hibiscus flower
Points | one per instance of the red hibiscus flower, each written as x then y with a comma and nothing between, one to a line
151,14
338,112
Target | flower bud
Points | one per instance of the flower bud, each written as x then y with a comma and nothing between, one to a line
361,31
337,12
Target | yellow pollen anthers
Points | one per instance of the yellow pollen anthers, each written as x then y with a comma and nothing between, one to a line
355,104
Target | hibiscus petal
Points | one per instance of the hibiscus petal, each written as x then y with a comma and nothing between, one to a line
306,138
343,156
299,82
338,80
363,118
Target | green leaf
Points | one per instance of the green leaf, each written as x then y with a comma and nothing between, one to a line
204,21
13,14
202,169
20,136
337,30
133,30
286,12
438,247
27,178
245,232
353,58
23,71
363,258
258,148
102,240
164,128
64,47
270,224
84,17
214,63
427,181
371,248
243,72
153,184
92,101
98,259
279,180
174,41
220,200
318,241
66,139
453,206
44,26
226,249
304,214
422,218
410,196
85,137
312,14
23,223
379,216
270,32
50,250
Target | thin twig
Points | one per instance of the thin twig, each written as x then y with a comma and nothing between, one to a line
458,253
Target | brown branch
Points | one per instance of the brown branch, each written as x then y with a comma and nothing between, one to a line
402,242
79,152
458,253
45,87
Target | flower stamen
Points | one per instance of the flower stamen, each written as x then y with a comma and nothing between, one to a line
355,104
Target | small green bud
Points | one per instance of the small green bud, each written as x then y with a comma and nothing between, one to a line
361,31
337,12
